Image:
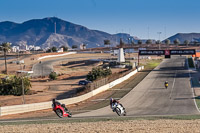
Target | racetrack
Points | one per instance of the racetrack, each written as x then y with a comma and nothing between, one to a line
46,67
150,97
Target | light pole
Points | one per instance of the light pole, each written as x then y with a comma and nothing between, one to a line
159,39
129,51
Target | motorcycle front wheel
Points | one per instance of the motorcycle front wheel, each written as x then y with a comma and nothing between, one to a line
124,113
70,114
118,111
59,113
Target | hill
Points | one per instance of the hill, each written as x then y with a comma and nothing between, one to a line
185,36
41,32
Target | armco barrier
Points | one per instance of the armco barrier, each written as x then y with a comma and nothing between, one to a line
7,110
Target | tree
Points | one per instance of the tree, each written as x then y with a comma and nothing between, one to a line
176,42
167,42
139,42
158,42
13,86
121,44
149,41
5,47
107,42
17,85
186,42
54,49
53,75
74,46
97,73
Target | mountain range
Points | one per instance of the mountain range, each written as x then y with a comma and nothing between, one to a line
52,31
192,37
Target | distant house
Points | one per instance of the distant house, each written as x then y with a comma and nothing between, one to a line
32,47
60,50
23,47
82,46
15,49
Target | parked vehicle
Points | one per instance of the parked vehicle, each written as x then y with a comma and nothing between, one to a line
83,82
60,109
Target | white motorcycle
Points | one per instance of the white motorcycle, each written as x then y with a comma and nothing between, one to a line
119,109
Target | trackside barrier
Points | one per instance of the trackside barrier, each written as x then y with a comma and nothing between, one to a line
49,56
7,110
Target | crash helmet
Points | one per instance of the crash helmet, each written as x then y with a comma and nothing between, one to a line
54,100
166,82
111,99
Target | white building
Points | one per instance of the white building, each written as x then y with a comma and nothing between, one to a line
15,49
83,46
60,50
32,47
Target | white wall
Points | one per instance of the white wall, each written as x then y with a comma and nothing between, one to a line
49,56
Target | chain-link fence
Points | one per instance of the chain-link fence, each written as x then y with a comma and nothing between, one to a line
103,81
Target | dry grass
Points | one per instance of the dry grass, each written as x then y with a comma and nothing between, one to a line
136,126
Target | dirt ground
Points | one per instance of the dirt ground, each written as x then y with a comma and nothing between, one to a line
130,126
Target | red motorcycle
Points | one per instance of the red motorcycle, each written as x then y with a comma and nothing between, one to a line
61,110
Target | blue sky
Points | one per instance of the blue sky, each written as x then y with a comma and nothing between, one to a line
141,18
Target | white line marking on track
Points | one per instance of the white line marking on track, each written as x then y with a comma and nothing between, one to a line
120,89
192,88
103,99
170,96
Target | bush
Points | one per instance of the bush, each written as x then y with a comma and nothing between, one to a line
97,73
13,86
53,75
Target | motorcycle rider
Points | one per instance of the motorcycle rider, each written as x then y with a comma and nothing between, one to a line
55,102
114,102
166,84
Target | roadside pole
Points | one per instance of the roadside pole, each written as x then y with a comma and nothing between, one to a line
23,98
138,58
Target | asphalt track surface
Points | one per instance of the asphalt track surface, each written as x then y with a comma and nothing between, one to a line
46,67
150,97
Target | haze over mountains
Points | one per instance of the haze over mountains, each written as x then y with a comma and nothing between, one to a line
41,32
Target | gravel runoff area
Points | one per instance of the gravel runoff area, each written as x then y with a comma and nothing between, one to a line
135,126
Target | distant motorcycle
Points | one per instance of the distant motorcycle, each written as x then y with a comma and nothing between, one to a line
119,109
166,84
61,110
